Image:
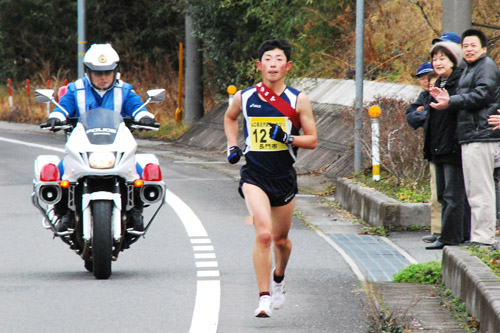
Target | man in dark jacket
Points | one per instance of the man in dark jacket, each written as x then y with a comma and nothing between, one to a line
477,98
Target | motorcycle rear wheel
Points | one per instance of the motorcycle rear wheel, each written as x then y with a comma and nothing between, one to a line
102,241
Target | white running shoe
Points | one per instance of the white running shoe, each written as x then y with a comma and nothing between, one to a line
277,293
265,308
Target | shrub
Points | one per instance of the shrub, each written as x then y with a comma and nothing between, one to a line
424,273
401,147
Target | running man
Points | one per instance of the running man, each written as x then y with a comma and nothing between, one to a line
268,180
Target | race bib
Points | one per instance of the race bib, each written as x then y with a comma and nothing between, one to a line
259,133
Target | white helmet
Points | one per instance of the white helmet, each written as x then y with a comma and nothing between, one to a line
101,57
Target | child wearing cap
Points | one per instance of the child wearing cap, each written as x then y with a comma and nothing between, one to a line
417,111
415,116
448,37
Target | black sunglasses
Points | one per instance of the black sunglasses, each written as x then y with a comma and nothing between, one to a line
101,73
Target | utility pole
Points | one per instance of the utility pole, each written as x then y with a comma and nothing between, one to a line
456,16
193,88
82,35
358,108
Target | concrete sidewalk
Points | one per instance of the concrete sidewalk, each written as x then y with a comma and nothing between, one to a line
375,259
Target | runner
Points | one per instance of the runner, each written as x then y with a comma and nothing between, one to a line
274,114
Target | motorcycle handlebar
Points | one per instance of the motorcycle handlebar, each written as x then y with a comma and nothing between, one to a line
138,126
70,124
135,125
63,126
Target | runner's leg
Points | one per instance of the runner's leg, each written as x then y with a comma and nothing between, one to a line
259,207
281,222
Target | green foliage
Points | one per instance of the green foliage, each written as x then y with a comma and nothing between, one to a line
232,30
424,273
489,255
140,31
401,191
458,308
33,33
376,230
38,35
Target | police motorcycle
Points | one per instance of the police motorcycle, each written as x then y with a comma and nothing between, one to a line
104,187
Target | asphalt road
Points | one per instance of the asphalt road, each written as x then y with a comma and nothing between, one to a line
192,272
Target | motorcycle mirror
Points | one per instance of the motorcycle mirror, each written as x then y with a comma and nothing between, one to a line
44,95
156,95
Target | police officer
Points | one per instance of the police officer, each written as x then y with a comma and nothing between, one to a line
101,87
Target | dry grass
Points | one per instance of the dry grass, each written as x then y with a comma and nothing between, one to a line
143,76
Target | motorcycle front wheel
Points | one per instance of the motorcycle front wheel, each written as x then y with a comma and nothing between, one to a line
102,242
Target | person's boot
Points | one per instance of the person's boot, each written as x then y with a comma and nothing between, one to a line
136,220
66,222
430,238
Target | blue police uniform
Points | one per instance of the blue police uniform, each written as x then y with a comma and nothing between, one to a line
81,97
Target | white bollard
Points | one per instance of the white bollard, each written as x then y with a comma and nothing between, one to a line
374,112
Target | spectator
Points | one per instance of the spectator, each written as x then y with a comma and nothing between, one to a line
442,149
416,114
477,98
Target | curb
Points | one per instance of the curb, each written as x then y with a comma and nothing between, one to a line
378,209
473,282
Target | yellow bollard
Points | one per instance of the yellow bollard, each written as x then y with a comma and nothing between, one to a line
231,90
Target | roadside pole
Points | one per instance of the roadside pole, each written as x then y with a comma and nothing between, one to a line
193,86
358,109
9,86
178,111
82,34
456,16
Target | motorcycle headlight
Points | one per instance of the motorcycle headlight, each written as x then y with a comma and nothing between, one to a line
102,160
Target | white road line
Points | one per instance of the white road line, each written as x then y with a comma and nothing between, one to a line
191,222
201,241
400,250
203,322
204,264
34,145
203,248
206,309
207,273
351,262
344,255
204,255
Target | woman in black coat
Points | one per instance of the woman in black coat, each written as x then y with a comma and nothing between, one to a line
442,148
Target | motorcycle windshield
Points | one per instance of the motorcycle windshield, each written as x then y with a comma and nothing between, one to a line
101,125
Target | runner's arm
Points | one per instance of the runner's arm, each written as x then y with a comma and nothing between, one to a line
309,139
231,120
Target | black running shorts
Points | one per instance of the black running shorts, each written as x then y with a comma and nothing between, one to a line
279,189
